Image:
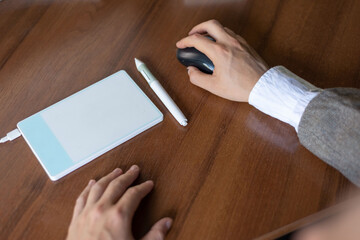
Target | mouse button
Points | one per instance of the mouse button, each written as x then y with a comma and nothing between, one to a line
185,50
191,55
207,65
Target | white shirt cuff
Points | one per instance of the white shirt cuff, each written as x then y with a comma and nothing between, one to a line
282,95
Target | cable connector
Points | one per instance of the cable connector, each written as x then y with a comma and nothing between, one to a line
11,136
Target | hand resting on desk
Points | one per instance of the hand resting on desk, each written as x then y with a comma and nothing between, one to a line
104,210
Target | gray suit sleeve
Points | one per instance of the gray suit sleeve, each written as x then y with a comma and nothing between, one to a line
330,128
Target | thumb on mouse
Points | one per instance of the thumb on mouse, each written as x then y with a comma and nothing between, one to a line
200,79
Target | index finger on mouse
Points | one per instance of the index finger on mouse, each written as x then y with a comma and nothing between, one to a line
199,42
212,27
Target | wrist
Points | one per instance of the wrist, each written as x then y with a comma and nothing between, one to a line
254,82
282,95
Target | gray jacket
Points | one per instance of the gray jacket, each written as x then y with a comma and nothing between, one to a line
330,128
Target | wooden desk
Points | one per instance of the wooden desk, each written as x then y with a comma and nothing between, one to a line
233,173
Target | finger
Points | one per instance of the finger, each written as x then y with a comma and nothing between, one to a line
81,200
201,79
199,42
98,188
118,186
159,230
212,27
130,201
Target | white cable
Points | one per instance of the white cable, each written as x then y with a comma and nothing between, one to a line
11,136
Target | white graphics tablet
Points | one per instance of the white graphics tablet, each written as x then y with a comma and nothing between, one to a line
76,130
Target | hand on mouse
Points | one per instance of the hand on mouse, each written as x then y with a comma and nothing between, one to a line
237,66
104,210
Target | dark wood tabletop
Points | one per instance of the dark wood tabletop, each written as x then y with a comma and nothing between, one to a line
233,172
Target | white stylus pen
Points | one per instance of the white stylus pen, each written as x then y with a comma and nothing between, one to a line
161,93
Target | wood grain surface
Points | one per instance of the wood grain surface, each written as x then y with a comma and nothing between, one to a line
233,172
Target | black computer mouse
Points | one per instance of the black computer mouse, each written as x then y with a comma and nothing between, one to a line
193,57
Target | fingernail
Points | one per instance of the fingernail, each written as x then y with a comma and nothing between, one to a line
168,223
92,181
134,168
188,69
117,170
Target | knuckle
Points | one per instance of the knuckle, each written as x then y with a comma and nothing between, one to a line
80,200
117,185
196,36
234,42
114,183
134,191
115,218
121,211
95,213
213,22
98,186
99,209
